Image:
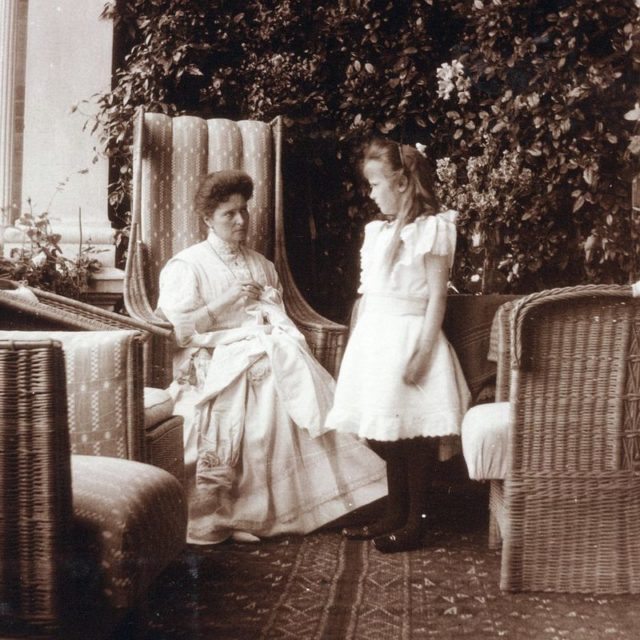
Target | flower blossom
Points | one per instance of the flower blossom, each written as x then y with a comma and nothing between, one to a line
451,78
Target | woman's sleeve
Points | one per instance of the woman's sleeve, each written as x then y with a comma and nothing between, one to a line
179,296
273,279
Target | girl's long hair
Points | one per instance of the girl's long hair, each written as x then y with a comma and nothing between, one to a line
419,197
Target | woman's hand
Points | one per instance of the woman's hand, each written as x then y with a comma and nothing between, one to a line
240,291
416,367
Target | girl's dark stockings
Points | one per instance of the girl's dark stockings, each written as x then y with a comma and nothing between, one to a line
419,457
409,469
396,504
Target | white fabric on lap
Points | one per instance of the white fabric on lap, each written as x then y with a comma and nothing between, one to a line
485,440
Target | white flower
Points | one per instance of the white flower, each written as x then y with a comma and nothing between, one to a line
39,259
451,78
421,149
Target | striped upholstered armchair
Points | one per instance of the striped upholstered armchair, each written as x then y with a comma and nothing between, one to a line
82,537
169,155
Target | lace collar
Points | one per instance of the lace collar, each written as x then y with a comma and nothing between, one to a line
226,250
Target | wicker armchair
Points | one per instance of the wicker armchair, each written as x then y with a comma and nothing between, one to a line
568,510
110,412
169,155
81,537
32,308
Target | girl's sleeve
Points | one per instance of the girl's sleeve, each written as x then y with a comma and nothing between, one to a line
435,235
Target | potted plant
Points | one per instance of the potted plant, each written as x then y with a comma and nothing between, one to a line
41,263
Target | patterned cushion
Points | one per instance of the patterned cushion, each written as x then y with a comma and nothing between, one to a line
102,389
158,406
485,440
129,522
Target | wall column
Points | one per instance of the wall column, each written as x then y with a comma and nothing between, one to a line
8,65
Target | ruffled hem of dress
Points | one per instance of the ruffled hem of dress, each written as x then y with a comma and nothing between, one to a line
386,429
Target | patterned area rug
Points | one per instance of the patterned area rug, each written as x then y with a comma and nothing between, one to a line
323,587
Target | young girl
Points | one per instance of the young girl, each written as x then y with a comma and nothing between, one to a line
400,385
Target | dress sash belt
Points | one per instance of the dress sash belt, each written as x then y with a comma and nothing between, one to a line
394,305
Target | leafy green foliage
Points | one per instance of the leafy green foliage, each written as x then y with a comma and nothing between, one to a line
539,86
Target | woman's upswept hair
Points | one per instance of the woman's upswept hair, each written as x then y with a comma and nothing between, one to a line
419,197
217,187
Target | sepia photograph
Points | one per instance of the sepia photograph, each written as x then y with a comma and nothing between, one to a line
319,320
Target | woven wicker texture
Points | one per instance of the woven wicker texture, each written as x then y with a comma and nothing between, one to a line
170,155
569,509
51,311
35,481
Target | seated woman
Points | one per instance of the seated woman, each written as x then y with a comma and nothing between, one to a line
259,462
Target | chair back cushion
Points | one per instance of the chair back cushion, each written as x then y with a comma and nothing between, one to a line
104,389
485,440
174,154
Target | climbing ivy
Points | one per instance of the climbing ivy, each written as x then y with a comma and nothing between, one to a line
522,102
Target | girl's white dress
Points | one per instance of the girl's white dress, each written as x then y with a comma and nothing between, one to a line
254,399
371,398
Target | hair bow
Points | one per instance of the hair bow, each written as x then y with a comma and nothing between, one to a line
421,149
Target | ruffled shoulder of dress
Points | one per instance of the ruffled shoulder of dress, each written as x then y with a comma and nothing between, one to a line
434,234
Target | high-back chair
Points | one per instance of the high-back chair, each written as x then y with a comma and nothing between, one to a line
170,154
565,498
82,537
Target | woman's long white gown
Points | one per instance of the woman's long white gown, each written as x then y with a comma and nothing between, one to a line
258,457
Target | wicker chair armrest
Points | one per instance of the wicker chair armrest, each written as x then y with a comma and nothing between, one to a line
136,297
151,322
572,381
91,313
500,349
52,310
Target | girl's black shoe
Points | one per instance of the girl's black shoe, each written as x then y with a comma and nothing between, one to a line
372,530
406,539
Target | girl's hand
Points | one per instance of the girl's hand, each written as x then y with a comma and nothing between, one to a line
416,367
